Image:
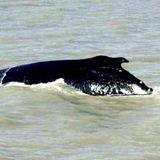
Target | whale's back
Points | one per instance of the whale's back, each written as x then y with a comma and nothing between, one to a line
100,75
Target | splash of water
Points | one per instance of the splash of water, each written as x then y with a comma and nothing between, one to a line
60,86
156,90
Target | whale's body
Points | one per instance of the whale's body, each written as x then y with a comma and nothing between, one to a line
100,75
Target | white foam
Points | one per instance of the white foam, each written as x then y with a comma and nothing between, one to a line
58,85
19,84
50,85
156,90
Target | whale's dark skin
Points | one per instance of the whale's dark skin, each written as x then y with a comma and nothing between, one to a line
100,75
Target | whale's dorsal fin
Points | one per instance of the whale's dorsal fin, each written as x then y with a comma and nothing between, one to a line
108,62
121,60
103,58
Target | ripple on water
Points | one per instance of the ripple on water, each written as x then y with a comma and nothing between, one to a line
55,122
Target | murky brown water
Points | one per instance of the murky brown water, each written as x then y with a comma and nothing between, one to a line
48,122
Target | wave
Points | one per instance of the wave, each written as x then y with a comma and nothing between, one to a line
60,86
156,90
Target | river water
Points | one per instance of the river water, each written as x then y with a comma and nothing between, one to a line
53,121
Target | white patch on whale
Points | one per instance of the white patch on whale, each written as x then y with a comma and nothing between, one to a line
133,89
98,89
138,90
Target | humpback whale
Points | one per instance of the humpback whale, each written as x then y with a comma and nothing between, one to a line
100,75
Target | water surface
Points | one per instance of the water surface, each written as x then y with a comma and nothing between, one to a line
54,121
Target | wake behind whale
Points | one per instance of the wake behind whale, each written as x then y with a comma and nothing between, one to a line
100,75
